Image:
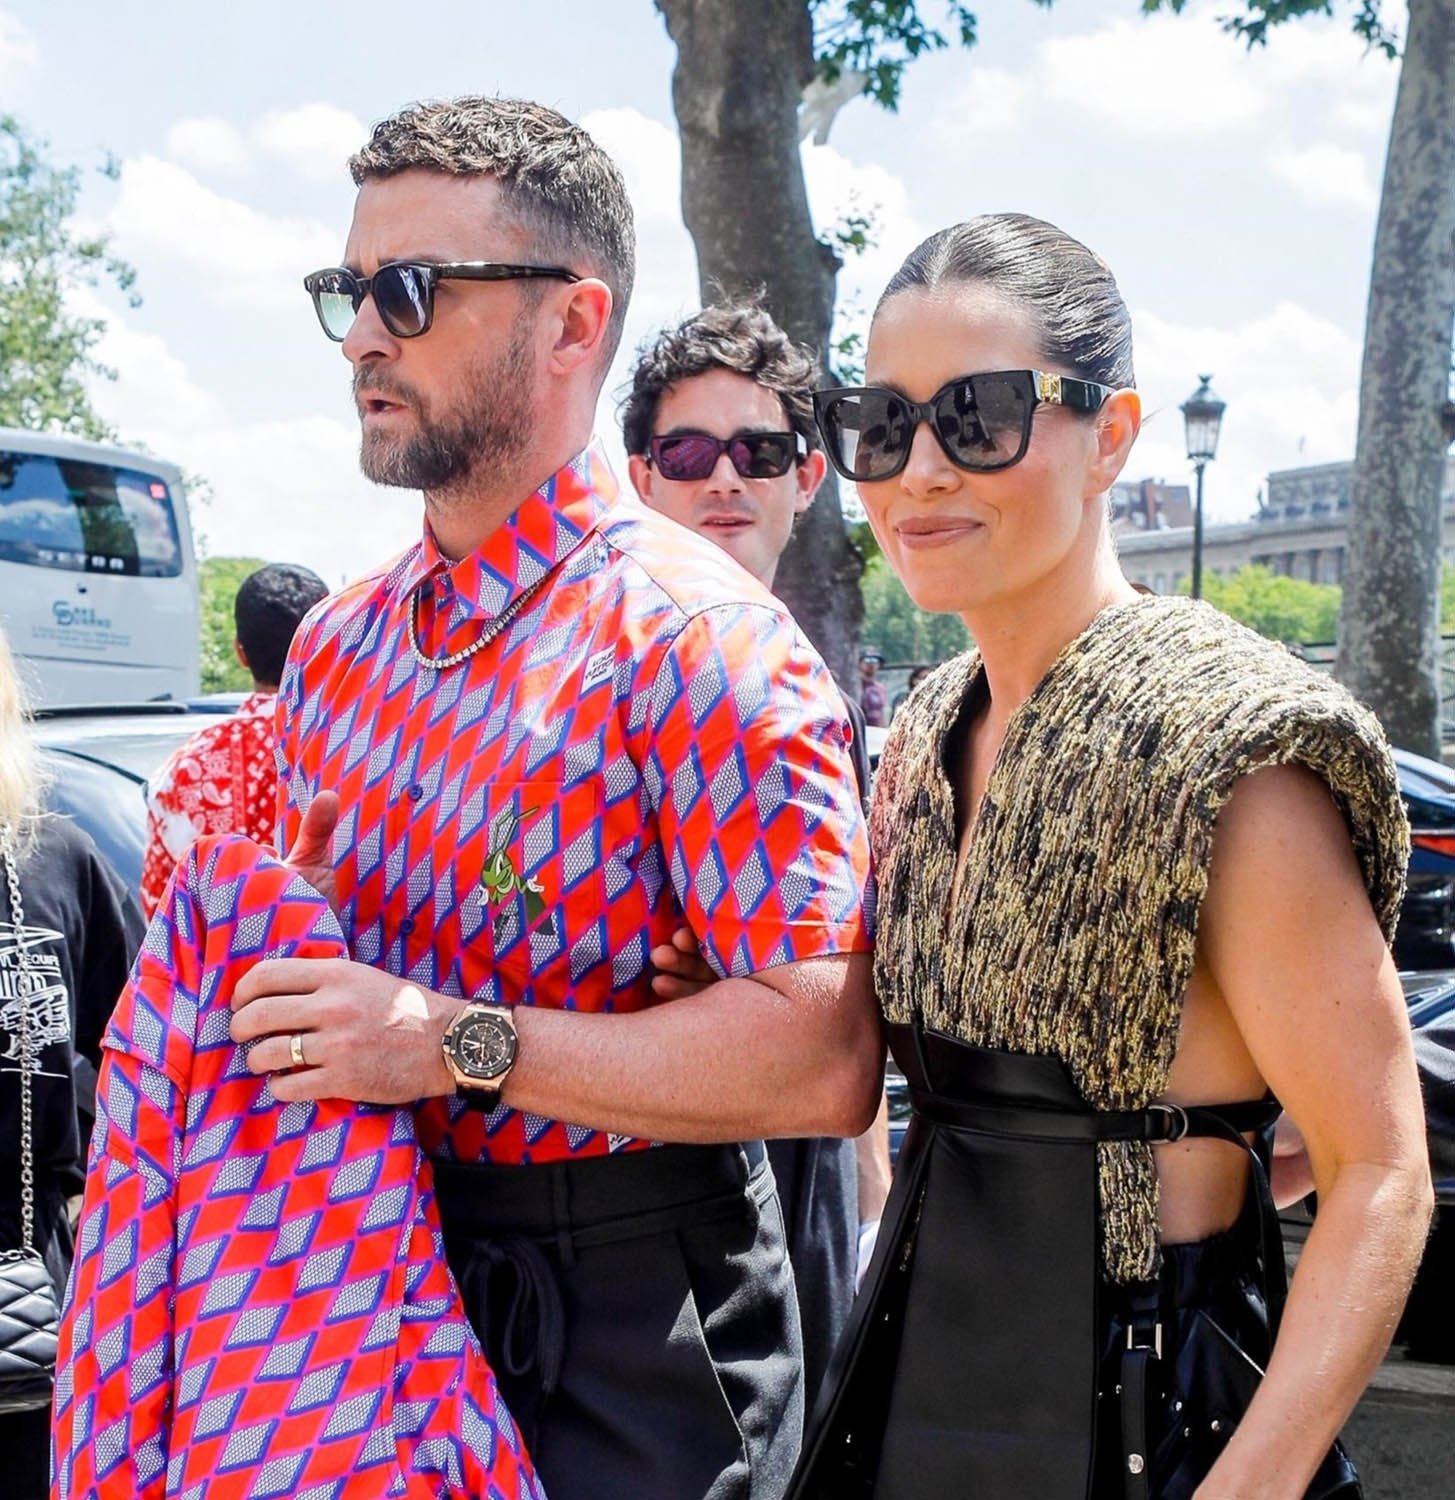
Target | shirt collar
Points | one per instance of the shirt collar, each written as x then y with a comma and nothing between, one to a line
257,702
542,532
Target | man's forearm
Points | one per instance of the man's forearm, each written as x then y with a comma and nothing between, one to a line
737,1061
871,1156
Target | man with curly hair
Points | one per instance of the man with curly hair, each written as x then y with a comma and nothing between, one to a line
720,436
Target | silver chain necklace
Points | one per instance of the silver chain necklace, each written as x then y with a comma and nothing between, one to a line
493,629
27,1055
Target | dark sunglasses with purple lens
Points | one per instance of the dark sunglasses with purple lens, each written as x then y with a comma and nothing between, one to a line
755,455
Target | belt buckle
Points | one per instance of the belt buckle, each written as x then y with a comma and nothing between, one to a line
1155,1346
1177,1122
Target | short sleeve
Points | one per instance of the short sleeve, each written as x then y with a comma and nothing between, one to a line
750,774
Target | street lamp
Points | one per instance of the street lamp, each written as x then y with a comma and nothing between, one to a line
1203,414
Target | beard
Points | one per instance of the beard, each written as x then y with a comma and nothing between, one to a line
487,428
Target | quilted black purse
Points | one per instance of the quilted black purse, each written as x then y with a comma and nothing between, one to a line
30,1313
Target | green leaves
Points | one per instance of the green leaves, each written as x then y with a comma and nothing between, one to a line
1284,609
880,38
220,579
1261,15
46,350
895,626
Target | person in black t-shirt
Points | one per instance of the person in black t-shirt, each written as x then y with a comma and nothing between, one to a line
78,932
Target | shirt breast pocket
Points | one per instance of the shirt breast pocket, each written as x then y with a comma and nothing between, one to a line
540,881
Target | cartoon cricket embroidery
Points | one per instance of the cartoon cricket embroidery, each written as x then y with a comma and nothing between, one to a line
500,879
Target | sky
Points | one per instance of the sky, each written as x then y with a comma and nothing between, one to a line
1233,195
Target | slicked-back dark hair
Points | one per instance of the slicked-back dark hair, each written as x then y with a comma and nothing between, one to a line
741,337
268,610
558,184
1067,289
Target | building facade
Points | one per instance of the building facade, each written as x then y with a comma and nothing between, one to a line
1300,531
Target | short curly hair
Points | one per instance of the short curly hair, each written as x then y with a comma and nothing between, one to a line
741,337
269,608
556,181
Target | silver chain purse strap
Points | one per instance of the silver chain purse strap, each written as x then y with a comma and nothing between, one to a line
29,1307
27,1056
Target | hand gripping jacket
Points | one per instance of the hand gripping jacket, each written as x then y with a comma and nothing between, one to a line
260,1304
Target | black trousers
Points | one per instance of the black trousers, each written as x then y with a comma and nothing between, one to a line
639,1312
818,1186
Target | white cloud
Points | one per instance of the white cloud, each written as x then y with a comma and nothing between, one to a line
1176,75
206,141
838,186
18,47
1296,376
992,99
282,488
1160,76
650,158
1328,174
315,139
251,257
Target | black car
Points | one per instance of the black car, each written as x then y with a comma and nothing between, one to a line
98,759
1426,936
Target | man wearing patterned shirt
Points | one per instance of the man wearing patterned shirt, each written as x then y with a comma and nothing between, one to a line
515,759
225,778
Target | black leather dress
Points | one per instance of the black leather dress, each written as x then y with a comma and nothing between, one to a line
986,1356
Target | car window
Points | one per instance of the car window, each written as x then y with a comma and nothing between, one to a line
87,517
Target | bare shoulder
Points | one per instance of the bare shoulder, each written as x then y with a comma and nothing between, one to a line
1283,809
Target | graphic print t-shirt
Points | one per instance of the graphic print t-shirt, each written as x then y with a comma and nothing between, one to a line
80,932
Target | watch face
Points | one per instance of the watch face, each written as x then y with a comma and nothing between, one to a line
483,1045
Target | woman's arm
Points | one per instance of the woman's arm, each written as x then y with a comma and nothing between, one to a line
1288,938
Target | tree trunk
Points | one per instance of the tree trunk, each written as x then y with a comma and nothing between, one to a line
741,68
1389,627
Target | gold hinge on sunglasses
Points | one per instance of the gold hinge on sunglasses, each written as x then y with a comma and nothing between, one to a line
1048,387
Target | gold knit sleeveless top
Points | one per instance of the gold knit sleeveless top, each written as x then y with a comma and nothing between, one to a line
1072,931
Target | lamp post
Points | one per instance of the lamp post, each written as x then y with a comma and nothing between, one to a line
1203,414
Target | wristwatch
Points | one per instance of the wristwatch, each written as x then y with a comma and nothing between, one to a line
479,1048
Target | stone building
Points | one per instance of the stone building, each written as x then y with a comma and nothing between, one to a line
1300,530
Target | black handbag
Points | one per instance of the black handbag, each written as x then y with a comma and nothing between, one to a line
30,1314
1187,1375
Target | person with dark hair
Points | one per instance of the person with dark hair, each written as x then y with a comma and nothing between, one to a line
270,606
719,433
514,761
1091,969
871,690
224,779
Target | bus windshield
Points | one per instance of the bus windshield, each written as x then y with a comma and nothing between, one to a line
86,517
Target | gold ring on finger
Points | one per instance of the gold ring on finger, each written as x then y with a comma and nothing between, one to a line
295,1050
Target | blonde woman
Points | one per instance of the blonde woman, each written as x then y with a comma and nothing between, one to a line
68,930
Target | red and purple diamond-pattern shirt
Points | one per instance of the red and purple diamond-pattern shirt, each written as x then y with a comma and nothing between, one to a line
649,736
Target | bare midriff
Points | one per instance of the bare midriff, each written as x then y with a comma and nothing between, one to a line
1204,1181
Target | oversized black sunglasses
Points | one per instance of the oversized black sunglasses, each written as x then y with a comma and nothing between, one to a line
403,291
983,422
694,455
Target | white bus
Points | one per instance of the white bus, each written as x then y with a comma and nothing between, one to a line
98,581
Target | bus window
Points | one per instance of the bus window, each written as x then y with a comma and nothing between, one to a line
86,517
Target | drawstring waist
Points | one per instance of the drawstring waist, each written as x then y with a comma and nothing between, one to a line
511,1229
